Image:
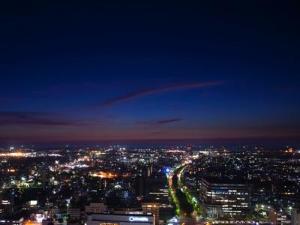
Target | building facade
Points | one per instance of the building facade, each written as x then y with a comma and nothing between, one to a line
224,199
120,219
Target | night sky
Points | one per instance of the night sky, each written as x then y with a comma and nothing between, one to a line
93,71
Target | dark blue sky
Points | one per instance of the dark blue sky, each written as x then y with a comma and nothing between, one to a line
103,70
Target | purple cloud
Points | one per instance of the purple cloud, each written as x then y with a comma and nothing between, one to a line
33,118
152,91
167,121
159,122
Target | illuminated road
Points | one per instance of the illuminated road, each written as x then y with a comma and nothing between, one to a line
197,207
187,206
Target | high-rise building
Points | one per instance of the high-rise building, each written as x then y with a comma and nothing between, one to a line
224,198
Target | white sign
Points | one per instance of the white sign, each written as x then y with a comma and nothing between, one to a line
138,219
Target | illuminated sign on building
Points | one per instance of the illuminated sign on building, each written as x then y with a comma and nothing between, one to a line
138,219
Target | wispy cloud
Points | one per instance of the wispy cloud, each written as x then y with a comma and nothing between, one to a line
152,91
167,121
33,118
161,122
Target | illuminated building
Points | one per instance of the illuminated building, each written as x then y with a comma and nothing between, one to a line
279,217
222,198
16,155
74,213
30,222
120,219
152,208
105,175
94,208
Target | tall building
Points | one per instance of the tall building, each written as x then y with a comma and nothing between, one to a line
224,198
